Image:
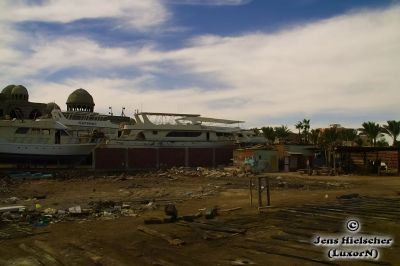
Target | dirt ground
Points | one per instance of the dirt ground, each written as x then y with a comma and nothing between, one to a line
302,207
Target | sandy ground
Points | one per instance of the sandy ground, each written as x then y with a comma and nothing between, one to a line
302,207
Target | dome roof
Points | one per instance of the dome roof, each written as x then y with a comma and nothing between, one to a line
15,92
7,90
51,106
19,90
80,97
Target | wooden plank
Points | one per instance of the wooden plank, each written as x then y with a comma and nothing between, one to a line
169,239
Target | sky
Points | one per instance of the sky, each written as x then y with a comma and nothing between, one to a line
267,62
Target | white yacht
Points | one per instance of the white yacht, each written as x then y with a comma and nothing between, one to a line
43,139
89,122
177,130
161,129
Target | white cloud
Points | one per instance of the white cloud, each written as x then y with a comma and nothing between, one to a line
138,14
210,2
348,63
345,66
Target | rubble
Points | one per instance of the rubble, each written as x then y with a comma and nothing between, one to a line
12,209
175,172
211,213
37,216
170,210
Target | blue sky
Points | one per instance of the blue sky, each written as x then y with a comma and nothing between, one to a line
268,62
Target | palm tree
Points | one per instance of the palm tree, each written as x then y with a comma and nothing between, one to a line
329,141
393,130
372,130
314,134
269,133
282,133
348,135
299,126
306,128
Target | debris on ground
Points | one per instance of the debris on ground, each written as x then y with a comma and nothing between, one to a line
29,175
349,196
211,213
170,210
37,216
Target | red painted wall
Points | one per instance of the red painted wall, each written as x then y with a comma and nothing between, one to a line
172,157
110,158
142,158
200,157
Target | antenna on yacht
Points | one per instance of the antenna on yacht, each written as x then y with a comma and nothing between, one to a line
111,112
123,111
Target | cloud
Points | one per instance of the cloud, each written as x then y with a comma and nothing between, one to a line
346,66
210,2
348,63
139,15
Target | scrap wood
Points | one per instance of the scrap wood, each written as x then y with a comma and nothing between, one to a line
218,228
231,209
274,251
169,239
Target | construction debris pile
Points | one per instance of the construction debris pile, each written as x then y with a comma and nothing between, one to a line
38,217
199,172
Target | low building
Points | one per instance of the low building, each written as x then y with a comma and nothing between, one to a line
257,159
293,157
368,159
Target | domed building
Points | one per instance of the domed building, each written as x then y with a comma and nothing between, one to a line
14,103
51,106
80,100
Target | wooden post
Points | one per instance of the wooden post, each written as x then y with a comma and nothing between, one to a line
251,191
259,190
268,192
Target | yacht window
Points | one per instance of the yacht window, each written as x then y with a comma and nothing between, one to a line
155,132
22,130
220,134
64,133
191,134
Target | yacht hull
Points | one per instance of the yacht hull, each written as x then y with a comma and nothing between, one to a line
21,152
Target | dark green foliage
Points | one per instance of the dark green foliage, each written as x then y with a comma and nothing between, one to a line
282,133
372,130
393,130
269,133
